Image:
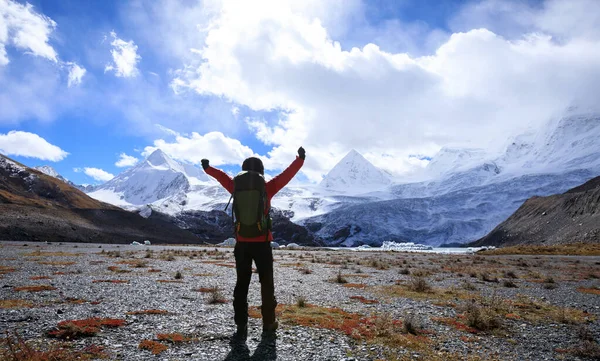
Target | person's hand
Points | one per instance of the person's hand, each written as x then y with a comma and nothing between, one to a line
301,153
204,163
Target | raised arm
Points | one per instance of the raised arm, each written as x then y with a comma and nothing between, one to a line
219,175
280,181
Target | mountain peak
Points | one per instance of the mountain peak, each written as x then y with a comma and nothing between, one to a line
158,157
48,170
355,172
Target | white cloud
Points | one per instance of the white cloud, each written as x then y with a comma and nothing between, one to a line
126,160
96,173
30,145
476,89
213,146
24,28
167,130
76,73
125,57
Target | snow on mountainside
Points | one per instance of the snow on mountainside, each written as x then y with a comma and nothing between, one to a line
48,170
449,160
355,173
155,178
468,193
464,204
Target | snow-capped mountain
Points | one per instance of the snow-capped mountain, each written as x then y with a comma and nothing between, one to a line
156,178
467,194
355,173
468,200
48,170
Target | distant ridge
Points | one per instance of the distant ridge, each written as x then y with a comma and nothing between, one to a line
38,207
571,217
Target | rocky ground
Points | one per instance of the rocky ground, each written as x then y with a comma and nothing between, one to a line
85,301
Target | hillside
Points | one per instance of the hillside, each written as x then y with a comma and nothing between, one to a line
571,217
38,207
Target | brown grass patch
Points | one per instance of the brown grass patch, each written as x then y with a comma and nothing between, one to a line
110,281
154,270
51,254
15,304
37,288
75,329
354,285
379,329
16,349
135,263
363,300
75,301
169,281
228,265
591,291
37,278
574,249
153,346
173,337
5,269
455,323
149,312
360,275
117,269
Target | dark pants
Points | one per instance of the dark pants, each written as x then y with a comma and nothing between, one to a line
262,254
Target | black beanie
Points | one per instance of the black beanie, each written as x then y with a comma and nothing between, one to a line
253,164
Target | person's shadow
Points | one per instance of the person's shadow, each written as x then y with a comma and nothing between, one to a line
266,350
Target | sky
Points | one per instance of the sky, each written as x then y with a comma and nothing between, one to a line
92,87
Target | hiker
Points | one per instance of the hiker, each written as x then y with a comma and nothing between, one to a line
251,205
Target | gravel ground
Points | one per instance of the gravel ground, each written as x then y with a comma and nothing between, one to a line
551,281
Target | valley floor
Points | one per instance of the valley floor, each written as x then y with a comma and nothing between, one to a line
86,301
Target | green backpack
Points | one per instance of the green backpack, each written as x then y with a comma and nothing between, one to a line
250,206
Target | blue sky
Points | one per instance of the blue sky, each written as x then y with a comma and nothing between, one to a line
214,79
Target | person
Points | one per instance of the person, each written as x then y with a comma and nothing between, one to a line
258,248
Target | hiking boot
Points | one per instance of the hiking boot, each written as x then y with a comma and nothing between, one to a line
272,327
242,331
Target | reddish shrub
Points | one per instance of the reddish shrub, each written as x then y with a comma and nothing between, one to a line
152,346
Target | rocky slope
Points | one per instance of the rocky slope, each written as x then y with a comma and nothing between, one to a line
570,217
38,207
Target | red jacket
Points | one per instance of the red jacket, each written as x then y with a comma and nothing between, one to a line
272,187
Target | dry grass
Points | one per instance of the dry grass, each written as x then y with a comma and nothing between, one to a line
364,300
5,269
169,281
419,284
378,329
456,323
15,304
117,269
591,291
37,288
153,346
37,278
16,349
110,281
173,337
575,249
75,329
355,285
215,297
51,254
